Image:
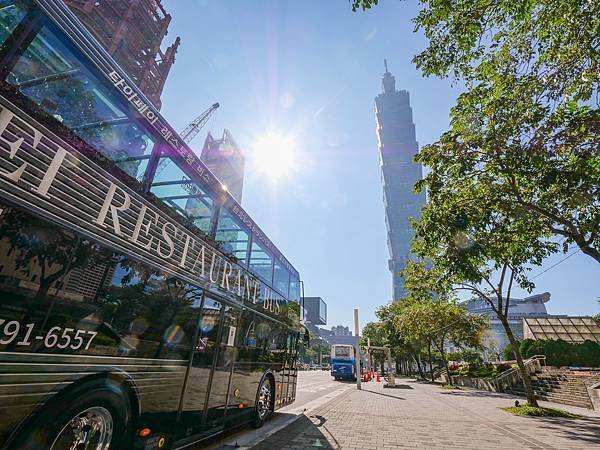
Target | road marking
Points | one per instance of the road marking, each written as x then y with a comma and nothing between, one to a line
318,402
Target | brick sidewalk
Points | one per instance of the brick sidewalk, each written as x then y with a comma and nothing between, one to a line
425,416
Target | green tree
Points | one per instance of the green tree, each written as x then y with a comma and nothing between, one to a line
527,126
362,4
404,347
475,246
385,333
440,322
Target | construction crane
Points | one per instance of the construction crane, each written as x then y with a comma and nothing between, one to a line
190,132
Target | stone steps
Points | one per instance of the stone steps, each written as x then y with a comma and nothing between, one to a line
557,387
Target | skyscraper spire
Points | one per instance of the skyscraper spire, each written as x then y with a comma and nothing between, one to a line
389,82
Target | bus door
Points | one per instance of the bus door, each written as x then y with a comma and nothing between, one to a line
221,375
289,368
203,361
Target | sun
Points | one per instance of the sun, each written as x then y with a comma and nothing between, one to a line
273,154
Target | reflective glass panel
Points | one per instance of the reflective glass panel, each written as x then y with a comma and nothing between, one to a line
188,198
294,289
233,236
11,13
261,262
58,81
281,278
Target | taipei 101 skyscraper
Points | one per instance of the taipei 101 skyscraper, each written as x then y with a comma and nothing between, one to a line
399,173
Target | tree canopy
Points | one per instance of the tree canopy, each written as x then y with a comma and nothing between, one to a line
527,126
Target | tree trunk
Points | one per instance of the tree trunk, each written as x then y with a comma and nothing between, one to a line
591,251
441,349
418,361
522,370
430,362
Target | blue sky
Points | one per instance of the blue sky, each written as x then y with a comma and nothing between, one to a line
310,70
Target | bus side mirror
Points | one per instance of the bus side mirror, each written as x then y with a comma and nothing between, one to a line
306,338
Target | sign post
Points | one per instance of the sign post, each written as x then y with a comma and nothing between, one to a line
357,350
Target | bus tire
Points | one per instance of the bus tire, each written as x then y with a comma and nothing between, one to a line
263,404
94,405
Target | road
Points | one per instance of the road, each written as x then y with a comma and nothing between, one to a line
314,387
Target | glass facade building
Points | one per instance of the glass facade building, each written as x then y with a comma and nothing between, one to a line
315,310
397,148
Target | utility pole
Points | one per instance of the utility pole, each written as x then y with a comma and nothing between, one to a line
357,350
369,362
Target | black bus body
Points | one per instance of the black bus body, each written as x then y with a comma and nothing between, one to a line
140,306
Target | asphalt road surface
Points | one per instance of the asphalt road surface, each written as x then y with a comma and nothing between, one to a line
314,387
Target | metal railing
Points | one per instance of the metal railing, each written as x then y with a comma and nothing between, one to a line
513,376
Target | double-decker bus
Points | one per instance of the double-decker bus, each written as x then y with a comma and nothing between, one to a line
140,306
343,362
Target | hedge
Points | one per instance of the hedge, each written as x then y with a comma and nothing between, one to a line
562,353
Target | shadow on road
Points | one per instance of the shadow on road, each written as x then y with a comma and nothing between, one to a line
577,430
475,393
385,395
306,431
242,435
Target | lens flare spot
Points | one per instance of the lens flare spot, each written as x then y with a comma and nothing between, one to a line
174,334
139,325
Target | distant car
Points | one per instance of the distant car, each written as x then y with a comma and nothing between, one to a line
325,367
312,367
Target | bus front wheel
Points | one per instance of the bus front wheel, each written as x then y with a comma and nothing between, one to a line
95,418
264,399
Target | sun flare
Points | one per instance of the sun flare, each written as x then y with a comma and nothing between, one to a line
273,154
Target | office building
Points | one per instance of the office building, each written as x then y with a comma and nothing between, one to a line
341,330
399,173
226,160
315,310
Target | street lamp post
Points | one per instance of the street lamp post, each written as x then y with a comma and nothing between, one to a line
357,352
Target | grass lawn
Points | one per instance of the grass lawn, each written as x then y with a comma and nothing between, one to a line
526,410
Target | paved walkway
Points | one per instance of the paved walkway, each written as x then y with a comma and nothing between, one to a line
425,416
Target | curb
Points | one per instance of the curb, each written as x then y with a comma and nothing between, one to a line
295,414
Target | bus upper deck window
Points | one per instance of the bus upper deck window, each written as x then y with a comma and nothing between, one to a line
11,13
60,83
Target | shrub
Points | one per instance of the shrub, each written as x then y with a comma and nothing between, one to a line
508,353
468,355
503,367
562,353
453,365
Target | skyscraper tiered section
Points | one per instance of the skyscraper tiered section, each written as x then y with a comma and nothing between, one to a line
399,173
